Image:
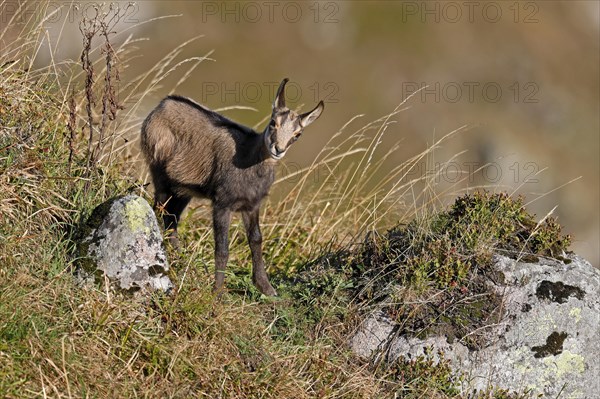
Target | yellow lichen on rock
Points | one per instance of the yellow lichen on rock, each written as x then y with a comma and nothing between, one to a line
135,214
566,362
576,314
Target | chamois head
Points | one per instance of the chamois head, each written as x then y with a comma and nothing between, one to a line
286,125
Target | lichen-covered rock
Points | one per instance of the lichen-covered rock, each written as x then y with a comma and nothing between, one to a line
373,335
122,240
546,344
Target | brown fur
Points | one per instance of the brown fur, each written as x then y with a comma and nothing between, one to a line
195,152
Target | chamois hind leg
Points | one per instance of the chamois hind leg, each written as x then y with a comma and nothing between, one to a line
259,275
221,221
172,207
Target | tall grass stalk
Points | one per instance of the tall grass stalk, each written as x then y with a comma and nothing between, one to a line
59,340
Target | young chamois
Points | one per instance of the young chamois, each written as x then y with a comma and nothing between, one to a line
195,152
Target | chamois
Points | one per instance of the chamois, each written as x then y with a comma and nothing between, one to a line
195,152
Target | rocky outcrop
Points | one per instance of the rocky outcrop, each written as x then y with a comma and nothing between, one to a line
122,240
546,343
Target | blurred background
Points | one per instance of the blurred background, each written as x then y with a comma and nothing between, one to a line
522,76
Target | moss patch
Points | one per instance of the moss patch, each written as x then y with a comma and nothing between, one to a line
553,346
85,237
558,292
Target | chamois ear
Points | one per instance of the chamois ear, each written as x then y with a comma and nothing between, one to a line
311,116
280,97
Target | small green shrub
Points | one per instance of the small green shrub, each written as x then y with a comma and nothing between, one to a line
423,375
448,248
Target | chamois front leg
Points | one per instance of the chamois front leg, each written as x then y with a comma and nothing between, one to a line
221,221
259,275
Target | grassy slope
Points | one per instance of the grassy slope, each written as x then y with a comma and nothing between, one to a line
57,340
61,341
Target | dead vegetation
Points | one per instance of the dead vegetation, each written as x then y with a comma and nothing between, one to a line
58,161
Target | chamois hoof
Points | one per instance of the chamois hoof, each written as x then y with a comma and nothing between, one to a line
174,242
265,288
270,291
218,292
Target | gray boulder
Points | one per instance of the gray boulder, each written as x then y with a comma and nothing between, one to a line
548,342
122,240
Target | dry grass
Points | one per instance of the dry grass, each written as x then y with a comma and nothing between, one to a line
57,340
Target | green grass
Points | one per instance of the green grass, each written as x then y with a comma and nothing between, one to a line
60,340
